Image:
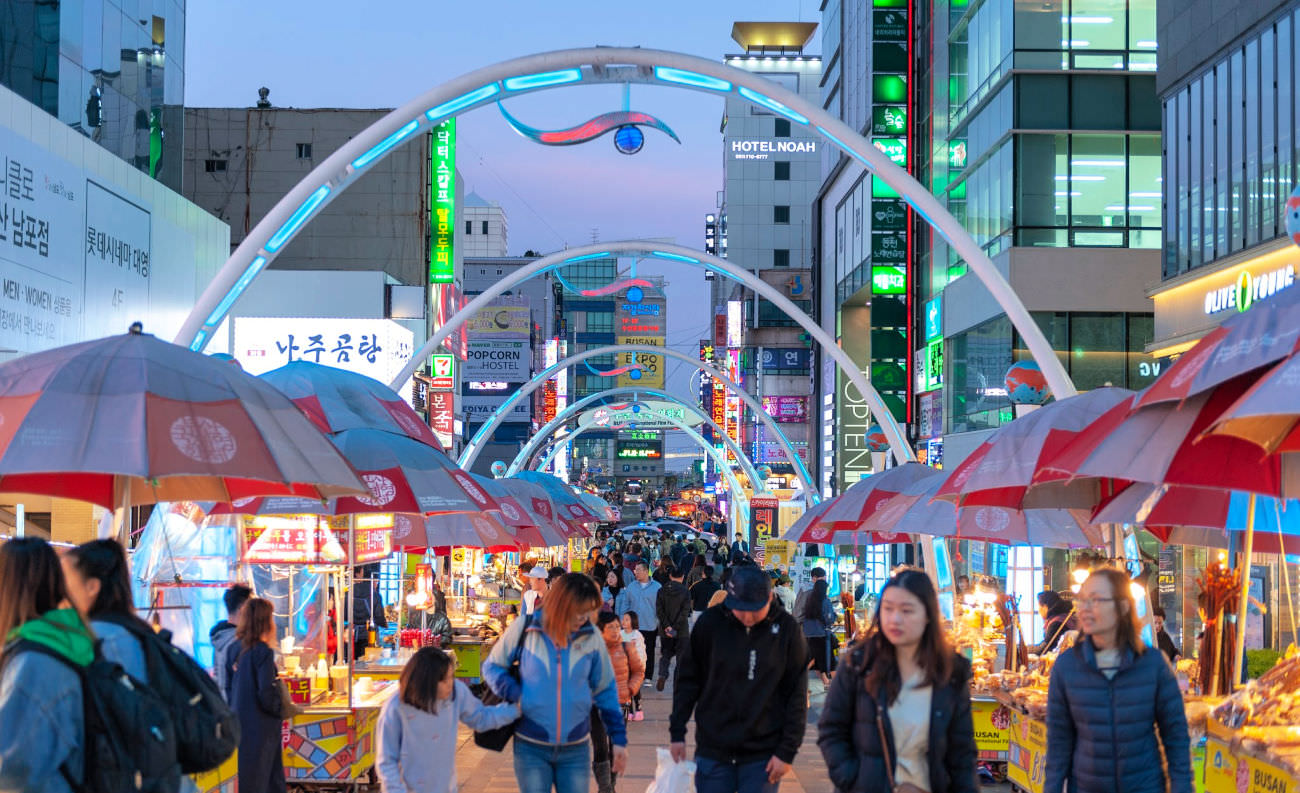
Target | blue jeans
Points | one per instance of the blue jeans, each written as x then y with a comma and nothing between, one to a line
719,776
539,768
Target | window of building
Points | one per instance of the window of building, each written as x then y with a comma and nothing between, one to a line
469,227
780,214
782,128
781,257
214,166
485,231
304,151
771,316
781,170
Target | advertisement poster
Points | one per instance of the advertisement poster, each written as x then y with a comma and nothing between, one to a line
787,409
762,524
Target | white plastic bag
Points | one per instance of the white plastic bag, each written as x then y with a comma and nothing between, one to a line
671,777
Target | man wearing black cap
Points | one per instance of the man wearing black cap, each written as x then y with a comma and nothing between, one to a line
744,675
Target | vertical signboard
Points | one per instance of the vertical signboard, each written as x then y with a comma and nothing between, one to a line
442,203
763,526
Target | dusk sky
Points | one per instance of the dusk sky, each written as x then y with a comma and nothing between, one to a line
328,53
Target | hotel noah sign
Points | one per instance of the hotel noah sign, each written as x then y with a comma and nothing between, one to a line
1191,305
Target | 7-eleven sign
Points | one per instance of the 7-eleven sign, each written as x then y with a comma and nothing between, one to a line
444,371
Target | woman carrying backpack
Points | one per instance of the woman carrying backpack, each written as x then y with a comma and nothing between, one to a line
255,696
99,587
41,745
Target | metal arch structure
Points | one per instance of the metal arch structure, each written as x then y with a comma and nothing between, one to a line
588,66
745,463
676,253
471,451
740,513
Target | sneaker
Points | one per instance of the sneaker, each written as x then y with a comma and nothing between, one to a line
659,684
638,716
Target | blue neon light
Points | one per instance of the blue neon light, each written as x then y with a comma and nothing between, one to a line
199,338
772,104
254,268
675,257
573,259
279,238
386,144
844,147
693,79
463,101
543,79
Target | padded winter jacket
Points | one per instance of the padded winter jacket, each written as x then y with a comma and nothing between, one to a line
849,736
558,685
629,669
1101,734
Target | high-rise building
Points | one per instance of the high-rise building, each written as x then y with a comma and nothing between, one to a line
771,172
486,231
113,71
1227,84
240,161
1038,127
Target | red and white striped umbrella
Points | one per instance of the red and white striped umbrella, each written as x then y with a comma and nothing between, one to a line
134,419
847,511
1002,468
413,533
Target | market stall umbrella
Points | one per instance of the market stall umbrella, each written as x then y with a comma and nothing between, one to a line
918,510
1159,444
1245,342
806,520
403,475
132,419
337,399
1002,468
849,509
415,533
541,511
1204,516
1268,414
569,506
599,507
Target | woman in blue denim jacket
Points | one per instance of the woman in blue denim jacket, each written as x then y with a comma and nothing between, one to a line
564,670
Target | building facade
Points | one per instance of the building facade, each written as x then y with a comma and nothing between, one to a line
113,71
1038,128
771,172
486,231
1227,84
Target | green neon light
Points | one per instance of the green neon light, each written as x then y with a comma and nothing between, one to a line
888,280
442,203
889,89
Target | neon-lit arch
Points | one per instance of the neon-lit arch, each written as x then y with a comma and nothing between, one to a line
602,65
471,451
569,411
740,500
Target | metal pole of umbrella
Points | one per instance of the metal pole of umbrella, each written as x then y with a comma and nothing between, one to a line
1286,576
1243,570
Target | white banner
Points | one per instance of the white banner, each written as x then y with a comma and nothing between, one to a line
499,361
377,348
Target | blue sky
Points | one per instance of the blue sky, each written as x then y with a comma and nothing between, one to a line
383,53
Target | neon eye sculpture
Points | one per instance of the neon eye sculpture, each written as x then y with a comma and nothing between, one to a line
625,124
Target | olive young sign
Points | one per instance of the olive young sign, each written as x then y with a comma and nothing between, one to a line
1248,288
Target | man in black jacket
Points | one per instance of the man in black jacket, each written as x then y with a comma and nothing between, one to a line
225,648
743,673
673,608
702,592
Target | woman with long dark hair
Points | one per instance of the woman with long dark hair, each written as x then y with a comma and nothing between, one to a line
898,711
817,620
255,698
99,587
564,670
42,741
1113,704
1058,619
417,727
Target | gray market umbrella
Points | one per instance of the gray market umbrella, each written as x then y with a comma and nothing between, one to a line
132,419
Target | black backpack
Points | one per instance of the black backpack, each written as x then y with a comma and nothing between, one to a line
207,730
129,743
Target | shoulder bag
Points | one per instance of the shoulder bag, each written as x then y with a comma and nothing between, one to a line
496,739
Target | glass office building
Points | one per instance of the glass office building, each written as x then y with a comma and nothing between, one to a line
112,69
1230,157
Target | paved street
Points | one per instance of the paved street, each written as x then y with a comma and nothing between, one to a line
488,772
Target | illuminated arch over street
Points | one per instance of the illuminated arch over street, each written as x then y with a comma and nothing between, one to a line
471,451
605,65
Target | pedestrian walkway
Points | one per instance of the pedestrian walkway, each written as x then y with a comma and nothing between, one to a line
481,771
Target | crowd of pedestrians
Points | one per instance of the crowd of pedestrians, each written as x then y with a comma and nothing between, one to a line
737,645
